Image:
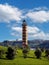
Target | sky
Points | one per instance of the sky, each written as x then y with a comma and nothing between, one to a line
12,14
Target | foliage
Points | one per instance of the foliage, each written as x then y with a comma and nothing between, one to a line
37,53
42,49
25,51
1,53
47,52
19,60
10,53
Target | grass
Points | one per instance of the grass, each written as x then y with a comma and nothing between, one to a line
19,60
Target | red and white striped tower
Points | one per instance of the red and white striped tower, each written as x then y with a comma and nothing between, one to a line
24,34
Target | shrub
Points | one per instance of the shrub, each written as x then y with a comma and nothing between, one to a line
47,52
42,49
37,53
1,53
10,53
25,51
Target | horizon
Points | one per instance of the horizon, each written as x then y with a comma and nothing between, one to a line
12,14
28,40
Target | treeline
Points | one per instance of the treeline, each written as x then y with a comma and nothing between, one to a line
12,52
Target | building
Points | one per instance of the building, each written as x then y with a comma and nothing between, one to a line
24,33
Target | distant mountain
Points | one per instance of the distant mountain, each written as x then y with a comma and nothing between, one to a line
31,43
45,44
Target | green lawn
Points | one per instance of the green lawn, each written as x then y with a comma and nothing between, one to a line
19,60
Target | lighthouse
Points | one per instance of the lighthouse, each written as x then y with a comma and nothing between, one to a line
24,34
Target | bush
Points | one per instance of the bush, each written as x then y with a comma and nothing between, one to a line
25,51
10,53
37,53
47,52
1,53
42,49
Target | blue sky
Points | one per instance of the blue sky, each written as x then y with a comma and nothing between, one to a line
35,12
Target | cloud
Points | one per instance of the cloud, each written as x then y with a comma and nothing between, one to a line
30,29
9,13
18,29
40,35
40,16
13,34
40,8
33,32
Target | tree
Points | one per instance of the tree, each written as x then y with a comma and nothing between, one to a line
47,52
1,53
42,49
37,53
25,51
10,53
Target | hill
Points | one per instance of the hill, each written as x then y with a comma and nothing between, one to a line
19,60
